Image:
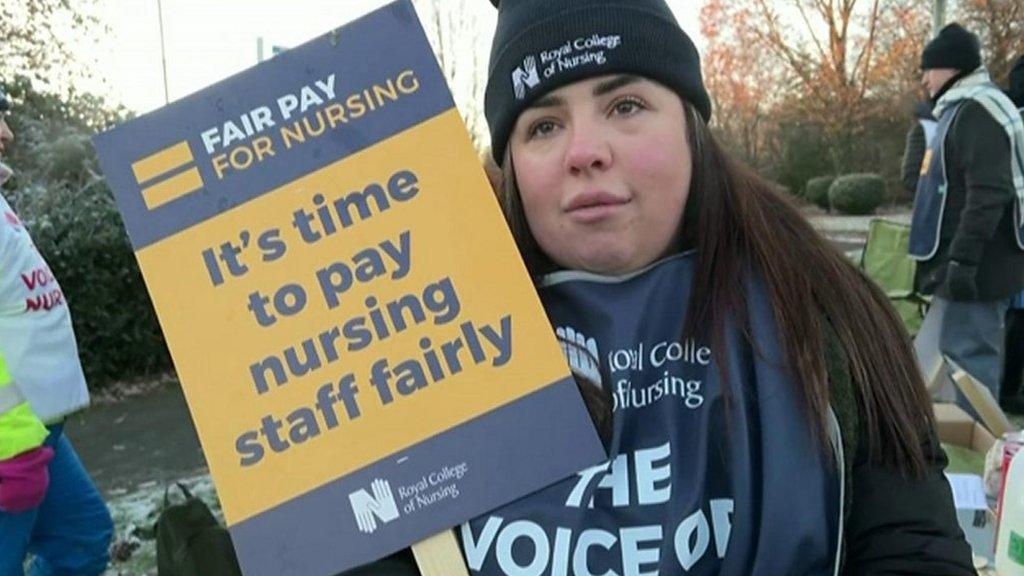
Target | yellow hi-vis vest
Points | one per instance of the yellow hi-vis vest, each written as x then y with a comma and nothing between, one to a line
20,429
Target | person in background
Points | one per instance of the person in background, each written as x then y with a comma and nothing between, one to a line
1011,392
918,137
966,230
49,507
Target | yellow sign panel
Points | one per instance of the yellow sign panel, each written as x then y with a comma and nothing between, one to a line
358,295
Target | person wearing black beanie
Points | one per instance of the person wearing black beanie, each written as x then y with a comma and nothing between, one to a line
541,45
954,47
953,54
761,407
966,233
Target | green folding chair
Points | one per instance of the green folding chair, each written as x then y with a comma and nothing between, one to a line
885,260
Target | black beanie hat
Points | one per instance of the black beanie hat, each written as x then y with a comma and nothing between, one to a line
954,48
541,45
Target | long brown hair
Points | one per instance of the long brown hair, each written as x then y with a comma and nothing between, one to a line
737,221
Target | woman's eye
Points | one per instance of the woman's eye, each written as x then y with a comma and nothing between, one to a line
627,107
542,128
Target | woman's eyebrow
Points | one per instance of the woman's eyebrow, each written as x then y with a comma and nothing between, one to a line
547,102
614,84
599,90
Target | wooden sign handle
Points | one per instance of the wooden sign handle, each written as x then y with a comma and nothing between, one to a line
440,555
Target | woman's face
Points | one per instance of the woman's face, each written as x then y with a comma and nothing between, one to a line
603,169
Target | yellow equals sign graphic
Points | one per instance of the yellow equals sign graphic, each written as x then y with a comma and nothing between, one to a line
160,164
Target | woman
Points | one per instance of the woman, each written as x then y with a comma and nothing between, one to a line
766,415
918,137
49,506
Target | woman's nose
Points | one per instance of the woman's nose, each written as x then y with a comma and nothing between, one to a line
588,148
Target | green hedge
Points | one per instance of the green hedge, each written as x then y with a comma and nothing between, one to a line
857,194
816,190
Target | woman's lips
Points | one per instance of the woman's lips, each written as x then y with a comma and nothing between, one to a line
594,206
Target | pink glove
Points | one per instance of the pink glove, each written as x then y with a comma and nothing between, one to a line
24,480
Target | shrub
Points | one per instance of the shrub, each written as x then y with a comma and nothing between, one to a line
857,193
816,190
68,160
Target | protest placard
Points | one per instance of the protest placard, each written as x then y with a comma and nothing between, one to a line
364,356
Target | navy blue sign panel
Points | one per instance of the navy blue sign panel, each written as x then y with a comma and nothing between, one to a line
213,139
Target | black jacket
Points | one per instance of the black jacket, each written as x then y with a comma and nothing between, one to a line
894,526
977,221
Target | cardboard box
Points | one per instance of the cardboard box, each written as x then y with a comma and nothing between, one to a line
957,427
981,399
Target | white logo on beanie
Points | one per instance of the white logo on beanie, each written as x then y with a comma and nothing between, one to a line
567,56
525,76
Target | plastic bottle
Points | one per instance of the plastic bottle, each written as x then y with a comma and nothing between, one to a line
1010,542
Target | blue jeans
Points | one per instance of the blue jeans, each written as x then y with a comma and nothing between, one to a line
972,334
69,533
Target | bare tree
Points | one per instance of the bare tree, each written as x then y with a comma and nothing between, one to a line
455,30
743,91
34,39
1000,25
838,61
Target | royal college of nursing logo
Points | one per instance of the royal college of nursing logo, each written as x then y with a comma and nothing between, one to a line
167,175
369,509
592,50
582,354
525,77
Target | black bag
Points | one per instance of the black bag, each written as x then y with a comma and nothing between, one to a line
191,542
